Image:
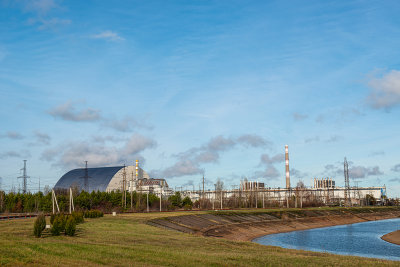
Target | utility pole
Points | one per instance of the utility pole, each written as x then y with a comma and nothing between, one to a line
203,192
71,201
222,197
160,200
24,178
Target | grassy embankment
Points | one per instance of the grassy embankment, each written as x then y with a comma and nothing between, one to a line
128,240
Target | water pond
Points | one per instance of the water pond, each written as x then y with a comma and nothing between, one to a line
359,239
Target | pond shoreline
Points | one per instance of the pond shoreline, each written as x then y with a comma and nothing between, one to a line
248,225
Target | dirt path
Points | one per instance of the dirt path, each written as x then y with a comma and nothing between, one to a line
393,237
242,226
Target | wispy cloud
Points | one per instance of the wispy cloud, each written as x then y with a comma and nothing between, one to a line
376,153
385,91
52,23
299,117
42,138
394,180
311,139
126,124
41,13
69,112
334,138
12,135
108,35
14,154
396,168
41,7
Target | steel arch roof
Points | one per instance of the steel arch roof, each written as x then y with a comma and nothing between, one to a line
99,178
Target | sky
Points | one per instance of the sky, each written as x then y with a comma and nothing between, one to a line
193,88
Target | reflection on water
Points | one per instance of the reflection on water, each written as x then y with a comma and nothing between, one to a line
360,239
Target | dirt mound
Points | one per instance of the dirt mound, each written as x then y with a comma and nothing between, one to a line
393,237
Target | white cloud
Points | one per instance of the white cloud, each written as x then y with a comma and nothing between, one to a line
355,172
72,155
182,168
68,112
385,91
362,172
268,162
108,35
189,162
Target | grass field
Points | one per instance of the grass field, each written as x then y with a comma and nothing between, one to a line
128,240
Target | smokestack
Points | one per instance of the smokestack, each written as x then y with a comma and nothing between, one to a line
287,166
137,169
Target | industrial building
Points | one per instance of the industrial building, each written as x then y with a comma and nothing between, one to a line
134,178
107,179
322,190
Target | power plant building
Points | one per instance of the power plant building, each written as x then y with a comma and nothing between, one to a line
107,179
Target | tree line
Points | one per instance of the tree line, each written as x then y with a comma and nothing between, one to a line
96,200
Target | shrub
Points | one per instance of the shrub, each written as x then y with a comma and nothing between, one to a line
187,202
63,220
78,217
176,200
56,229
39,225
70,226
93,214
187,207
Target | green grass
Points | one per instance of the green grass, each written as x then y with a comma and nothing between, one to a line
128,240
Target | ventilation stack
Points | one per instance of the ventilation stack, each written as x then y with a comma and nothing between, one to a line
287,166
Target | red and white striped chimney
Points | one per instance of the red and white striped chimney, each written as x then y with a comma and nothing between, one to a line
287,166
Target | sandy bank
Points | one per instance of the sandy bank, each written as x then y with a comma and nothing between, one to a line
393,237
247,225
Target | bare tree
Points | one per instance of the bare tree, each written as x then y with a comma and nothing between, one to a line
219,186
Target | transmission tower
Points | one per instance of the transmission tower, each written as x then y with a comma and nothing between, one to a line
346,183
86,178
24,177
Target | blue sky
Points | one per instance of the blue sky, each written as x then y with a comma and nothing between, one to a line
193,87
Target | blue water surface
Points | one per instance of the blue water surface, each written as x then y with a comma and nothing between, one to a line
359,239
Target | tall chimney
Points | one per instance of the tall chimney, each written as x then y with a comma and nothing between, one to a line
137,169
287,166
